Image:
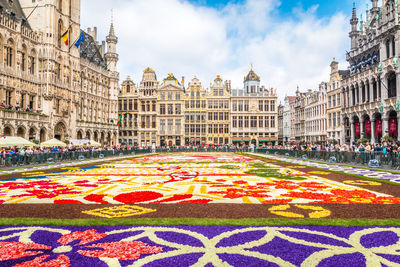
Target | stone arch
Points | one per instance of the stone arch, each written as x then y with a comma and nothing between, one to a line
79,135
8,130
88,134
32,133
96,136
21,132
42,135
10,52
60,131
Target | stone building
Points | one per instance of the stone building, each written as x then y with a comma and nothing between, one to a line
334,104
298,123
195,114
287,114
49,88
254,113
280,124
147,116
218,103
170,118
370,93
128,107
315,115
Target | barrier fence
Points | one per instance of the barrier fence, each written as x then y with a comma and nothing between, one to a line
372,159
12,160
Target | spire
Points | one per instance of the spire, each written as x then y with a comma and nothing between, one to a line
112,32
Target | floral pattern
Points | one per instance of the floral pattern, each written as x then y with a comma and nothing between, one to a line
185,178
199,246
61,252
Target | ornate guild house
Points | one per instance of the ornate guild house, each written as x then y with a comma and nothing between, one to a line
56,80
370,92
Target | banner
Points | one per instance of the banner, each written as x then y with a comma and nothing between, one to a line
378,125
393,127
357,131
368,128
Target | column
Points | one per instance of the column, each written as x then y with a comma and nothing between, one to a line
384,91
352,135
371,91
373,131
385,126
362,127
398,127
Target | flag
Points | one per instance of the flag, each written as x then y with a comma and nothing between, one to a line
65,37
119,120
80,40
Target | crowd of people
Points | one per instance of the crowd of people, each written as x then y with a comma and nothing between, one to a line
30,155
363,147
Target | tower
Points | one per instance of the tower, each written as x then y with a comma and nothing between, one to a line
111,55
354,33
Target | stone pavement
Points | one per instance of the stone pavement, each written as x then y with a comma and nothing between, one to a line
29,168
382,175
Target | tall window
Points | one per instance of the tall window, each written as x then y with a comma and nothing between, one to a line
9,54
234,122
60,30
170,109
260,105
253,122
178,109
162,125
23,61
170,125
32,65
246,122
246,105
162,109
392,88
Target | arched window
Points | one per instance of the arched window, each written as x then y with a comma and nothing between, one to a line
32,62
10,53
392,88
60,31
393,47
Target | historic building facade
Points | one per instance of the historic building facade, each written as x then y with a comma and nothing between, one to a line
128,107
170,118
195,113
254,113
218,108
315,115
280,124
287,114
298,123
334,104
49,88
370,92
169,114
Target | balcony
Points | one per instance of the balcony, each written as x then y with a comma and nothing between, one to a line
23,116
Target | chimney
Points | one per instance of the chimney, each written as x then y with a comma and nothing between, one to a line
183,81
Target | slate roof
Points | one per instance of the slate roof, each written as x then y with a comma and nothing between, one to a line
13,9
90,50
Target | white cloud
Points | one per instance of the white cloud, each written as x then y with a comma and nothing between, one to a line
179,37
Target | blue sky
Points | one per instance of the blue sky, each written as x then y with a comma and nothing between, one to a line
290,44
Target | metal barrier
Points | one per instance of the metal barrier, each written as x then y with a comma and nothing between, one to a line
390,159
12,160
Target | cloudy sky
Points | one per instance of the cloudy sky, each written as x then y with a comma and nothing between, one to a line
289,42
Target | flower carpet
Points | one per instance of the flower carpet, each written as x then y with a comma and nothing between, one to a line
187,209
199,246
382,175
184,178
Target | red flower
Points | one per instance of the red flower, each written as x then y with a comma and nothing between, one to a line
122,250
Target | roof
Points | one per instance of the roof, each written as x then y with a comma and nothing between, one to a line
14,9
252,76
171,79
291,98
344,73
90,50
